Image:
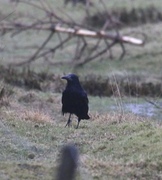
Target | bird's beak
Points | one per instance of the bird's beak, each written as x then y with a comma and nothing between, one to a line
65,77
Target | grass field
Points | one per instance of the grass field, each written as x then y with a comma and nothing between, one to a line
32,134
113,144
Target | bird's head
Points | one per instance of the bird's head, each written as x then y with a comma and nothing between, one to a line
71,78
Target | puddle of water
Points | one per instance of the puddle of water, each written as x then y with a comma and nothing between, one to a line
143,109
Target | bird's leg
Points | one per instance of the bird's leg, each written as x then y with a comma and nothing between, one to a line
69,121
78,123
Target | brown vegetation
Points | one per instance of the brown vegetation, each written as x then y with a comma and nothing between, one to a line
125,17
129,85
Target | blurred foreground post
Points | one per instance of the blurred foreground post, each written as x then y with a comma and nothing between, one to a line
68,164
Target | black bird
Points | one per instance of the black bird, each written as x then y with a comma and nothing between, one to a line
74,99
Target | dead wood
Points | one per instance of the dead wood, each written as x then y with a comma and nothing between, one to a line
56,25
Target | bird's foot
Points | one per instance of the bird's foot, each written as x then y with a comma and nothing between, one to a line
77,125
68,123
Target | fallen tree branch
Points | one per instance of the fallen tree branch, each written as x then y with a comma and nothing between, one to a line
74,32
84,52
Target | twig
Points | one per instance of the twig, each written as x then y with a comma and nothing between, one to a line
96,55
123,51
53,23
52,50
153,103
38,51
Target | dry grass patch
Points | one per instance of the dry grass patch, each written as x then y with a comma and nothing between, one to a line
36,116
19,112
116,117
6,93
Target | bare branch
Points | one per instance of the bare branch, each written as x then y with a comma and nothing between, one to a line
96,55
38,51
103,41
52,50
123,51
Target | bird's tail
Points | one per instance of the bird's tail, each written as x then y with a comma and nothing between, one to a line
87,117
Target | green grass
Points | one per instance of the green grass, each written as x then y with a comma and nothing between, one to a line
32,130
32,134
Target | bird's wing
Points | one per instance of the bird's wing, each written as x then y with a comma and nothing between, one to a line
74,100
73,97
81,103
84,97
65,101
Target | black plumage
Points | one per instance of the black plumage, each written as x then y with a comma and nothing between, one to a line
74,99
